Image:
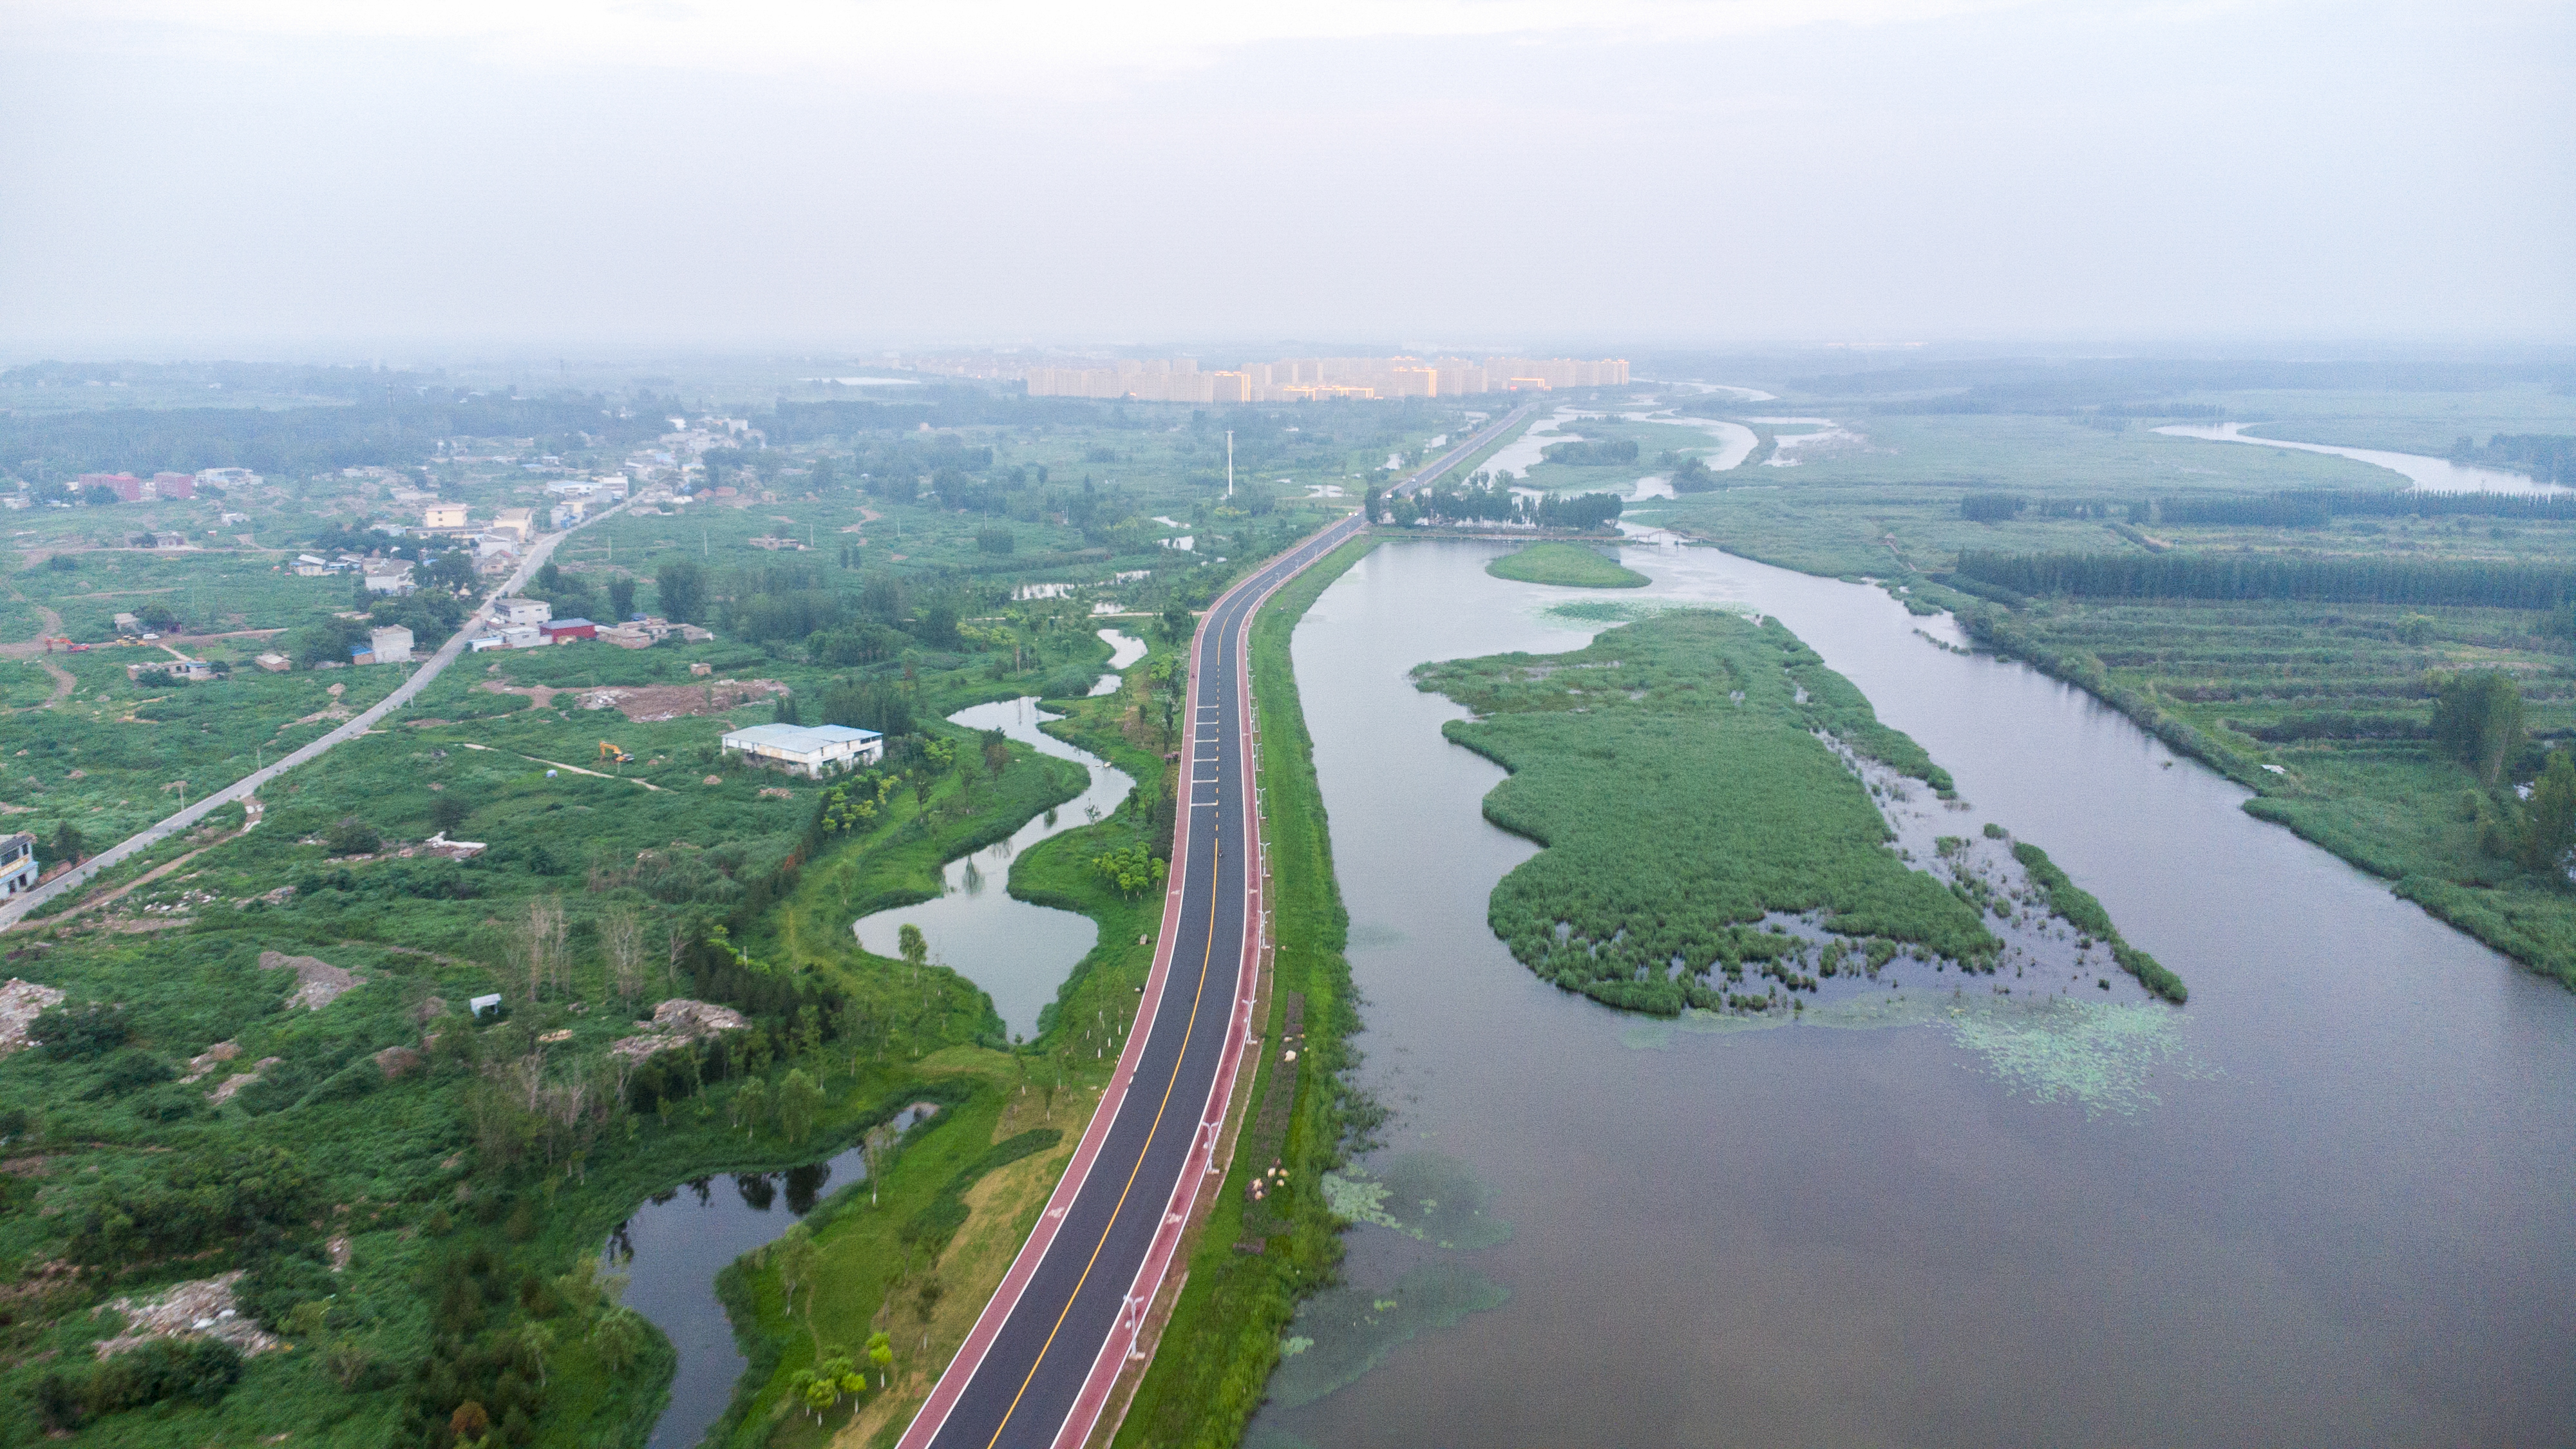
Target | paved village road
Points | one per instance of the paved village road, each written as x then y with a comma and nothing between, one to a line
248,785
1038,1366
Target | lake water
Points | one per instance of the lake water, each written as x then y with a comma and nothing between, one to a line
673,1247
2328,1203
2431,475
1018,952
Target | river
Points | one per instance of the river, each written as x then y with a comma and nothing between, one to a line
2428,474
2328,1203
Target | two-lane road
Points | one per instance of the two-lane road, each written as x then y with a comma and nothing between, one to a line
1038,1366
248,785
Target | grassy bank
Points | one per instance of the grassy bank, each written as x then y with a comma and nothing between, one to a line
1223,1339
1570,565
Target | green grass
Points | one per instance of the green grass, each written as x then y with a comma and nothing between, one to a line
1570,565
1217,1353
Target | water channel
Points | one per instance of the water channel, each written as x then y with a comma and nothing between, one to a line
2429,474
2327,1203
1018,952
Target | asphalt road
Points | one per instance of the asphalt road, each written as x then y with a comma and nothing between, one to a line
248,785
1038,1366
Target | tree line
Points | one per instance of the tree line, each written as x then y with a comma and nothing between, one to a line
2245,577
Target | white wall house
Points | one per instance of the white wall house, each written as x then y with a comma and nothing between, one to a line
17,863
814,750
516,610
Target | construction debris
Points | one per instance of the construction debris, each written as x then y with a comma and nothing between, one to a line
200,1308
678,1022
318,982
21,1002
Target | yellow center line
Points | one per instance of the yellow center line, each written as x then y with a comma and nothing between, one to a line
1215,871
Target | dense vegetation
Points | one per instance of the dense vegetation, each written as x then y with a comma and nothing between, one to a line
2233,576
1673,772
1568,564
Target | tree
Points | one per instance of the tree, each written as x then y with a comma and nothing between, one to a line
798,1259
682,588
914,947
2549,827
881,1354
799,1103
67,843
751,1105
2477,720
448,812
621,940
538,940
619,1337
621,599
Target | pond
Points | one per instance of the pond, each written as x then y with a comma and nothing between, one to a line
2327,1203
1018,952
673,1247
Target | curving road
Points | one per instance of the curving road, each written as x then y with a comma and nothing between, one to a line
1038,1366
248,785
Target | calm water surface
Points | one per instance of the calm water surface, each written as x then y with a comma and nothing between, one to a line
673,1247
2428,474
1018,952
2328,1204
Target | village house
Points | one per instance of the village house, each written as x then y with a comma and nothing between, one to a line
810,750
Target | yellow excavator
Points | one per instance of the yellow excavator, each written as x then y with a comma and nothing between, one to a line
611,754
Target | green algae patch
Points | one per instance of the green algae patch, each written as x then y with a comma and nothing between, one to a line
1344,1332
1567,565
1428,1196
2098,1055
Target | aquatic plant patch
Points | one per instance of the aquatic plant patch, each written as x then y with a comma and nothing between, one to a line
1568,565
1673,771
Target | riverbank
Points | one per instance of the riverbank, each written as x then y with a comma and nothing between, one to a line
1255,1258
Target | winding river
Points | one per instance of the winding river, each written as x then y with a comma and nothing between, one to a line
1018,952
2327,1203
2428,474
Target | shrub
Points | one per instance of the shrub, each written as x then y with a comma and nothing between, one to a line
69,1032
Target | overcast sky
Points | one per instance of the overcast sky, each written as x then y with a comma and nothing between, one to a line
222,176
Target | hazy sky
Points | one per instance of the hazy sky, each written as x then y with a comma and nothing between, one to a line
205,176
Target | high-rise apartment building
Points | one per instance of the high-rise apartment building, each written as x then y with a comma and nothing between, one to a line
1307,378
